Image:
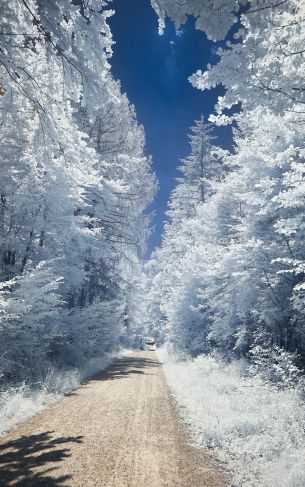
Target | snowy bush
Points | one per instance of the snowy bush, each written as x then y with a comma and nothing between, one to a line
276,365
20,402
254,429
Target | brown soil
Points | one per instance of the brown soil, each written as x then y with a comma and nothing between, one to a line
118,430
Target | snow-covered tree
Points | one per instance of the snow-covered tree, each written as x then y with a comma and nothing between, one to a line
198,171
214,17
262,63
74,187
238,283
170,297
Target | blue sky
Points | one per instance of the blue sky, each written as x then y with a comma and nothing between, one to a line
154,72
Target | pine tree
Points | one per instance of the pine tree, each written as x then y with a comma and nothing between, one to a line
198,170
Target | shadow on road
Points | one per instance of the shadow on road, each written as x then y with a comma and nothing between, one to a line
127,366
19,457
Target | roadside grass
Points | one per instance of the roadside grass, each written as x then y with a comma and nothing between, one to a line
254,429
19,402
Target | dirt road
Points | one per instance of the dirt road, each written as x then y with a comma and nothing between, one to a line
118,430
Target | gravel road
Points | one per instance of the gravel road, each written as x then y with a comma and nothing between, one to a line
118,430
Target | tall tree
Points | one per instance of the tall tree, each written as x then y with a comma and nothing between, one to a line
198,171
75,186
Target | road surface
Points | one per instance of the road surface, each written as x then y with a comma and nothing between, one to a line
118,430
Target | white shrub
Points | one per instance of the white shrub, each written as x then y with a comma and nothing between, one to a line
20,402
254,429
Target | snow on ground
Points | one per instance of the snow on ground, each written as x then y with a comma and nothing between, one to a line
21,402
254,429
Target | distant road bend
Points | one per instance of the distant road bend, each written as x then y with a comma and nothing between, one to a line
118,430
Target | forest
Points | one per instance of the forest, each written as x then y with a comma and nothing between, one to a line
227,283
225,289
74,186
229,274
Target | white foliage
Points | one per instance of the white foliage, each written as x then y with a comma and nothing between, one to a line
228,278
213,17
74,187
255,430
21,402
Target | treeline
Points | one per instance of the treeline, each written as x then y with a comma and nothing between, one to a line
75,183
229,275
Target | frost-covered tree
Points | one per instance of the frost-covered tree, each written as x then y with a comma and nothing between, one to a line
169,300
238,284
262,63
238,281
214,17
264,156
198,171
75,183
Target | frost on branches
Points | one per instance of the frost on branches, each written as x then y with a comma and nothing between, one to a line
262,62
229,275
74,185
226,288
